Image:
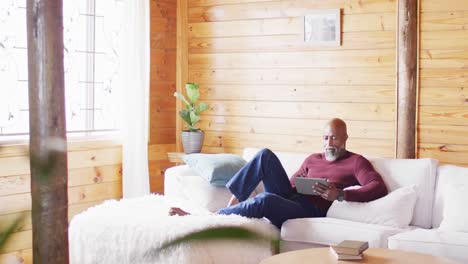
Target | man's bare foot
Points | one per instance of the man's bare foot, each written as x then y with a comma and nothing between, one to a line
177,211
233,201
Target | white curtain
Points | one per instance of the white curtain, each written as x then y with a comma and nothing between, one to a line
135,93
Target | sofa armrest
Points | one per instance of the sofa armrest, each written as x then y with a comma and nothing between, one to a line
181,170
182,183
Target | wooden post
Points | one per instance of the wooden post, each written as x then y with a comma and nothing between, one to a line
181,63
47,131
407,78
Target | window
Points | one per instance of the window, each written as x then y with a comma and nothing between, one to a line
91,63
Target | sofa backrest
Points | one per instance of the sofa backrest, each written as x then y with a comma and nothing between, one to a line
403,172
446,174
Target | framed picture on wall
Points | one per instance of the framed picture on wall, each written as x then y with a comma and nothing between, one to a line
323,27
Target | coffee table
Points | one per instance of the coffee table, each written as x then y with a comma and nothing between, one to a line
371,255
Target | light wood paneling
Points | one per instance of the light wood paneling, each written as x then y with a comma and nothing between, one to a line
444,59
19,247
239,9
380,150
286,26
312,110
162,70
7,219
267,88
443,134
457,20
374,147
446,153
15,203
165,135
163,57
14,166
157,169
162,104
182,60
158,163
15,150
159,152
311,59
353,76
443,112
161,74
440,6
163,120
18,241
22,183
296,126
441,96
351,41
298,93
163,65
443,40
94,175
225,2
444,78
80,194
15,184
162,89
444,115
162,24
89,193
160,40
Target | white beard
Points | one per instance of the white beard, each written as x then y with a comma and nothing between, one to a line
333,153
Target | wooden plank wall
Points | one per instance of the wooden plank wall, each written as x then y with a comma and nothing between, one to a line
162,87
94,175
267,88
443,115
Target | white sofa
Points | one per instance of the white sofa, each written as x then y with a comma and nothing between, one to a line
421,235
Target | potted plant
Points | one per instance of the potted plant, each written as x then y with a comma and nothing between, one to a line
192,137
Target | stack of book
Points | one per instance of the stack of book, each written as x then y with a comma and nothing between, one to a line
349,249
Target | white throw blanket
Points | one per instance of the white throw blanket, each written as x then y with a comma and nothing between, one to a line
126,231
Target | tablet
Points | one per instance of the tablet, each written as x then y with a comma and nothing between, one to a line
305,185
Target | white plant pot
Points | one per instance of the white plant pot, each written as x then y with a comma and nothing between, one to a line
192,141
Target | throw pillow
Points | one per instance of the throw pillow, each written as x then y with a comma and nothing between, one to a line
395,209
454,217
217,169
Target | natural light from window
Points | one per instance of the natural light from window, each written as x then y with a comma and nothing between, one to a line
91,62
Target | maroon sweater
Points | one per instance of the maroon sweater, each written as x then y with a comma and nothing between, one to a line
351,169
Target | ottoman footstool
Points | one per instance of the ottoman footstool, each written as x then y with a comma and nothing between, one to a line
130,231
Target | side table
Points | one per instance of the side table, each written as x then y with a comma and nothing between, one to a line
371,255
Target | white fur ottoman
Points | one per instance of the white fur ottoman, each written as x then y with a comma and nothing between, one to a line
125,231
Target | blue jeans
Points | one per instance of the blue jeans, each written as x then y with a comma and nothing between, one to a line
278,203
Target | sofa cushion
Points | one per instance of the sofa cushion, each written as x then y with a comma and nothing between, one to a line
394,209
435,242
217,169
331,231
183,183
455,219
403,172
446,175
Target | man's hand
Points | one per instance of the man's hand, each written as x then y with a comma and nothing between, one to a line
329,193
